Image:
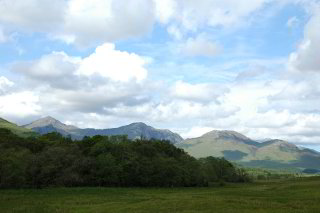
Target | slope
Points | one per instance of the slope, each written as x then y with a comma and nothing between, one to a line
23,132
241,149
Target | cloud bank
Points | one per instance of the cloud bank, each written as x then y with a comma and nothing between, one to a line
164,62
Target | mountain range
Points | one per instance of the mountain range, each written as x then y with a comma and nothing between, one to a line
134,130
243,150
268,153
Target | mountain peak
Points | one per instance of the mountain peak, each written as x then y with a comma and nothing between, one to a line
140,124
139,128
225,134
49,119
46,121
280,143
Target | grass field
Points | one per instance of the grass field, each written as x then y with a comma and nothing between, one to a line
302,195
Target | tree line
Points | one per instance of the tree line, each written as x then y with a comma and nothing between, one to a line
54,160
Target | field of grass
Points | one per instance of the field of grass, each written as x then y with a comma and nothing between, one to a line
284,196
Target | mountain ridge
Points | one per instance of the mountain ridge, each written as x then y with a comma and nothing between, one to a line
243,150
232,145
133,130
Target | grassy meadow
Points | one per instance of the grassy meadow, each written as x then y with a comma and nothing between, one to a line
282,196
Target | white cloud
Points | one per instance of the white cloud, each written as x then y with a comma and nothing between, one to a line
249,112
92,22
197,92
264,120
3,37
19,105
111,87
190,109
5,84
88,23
34,15
114,64
306,58
292,22
302,132
54,65
175,32
165,9
200,46
301,94
106,62
80,22
262,113
192,15
95,83
196,132
186,113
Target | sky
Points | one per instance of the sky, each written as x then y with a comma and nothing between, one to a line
252,66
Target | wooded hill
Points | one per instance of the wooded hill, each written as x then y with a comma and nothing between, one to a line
54,160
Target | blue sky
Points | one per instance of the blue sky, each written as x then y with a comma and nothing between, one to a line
189,66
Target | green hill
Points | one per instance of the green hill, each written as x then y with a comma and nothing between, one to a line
233,146
23,132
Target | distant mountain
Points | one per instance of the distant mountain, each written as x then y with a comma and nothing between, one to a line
134,130
46,121
23,132
221,144
232,145
49,124
243,150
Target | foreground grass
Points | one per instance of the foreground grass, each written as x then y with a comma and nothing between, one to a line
302,195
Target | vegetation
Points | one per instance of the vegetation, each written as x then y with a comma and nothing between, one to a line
273,174
20,131
281,196
54,160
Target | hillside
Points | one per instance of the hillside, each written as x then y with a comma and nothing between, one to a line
23,132
243,150
134,130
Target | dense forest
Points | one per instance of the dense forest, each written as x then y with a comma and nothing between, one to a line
54,160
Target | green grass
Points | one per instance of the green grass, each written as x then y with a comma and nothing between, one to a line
288,196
